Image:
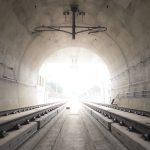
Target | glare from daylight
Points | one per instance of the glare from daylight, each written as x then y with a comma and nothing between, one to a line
76,73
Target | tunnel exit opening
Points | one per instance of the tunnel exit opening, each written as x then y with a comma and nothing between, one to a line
75,74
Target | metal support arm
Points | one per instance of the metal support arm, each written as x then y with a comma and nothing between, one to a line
74,10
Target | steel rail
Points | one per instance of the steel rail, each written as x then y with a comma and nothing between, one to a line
15,121
132,125
130,110
22,109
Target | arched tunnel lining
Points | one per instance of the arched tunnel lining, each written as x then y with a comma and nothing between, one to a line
121,47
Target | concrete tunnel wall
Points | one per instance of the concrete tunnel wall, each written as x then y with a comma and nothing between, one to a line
124,47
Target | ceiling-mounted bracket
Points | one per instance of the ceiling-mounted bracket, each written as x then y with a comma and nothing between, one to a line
74,9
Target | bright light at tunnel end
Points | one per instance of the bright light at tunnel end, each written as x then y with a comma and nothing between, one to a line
80,73
74,106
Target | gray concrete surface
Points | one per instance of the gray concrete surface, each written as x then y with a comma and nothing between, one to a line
106,122
125,47
133,141
15,138
130,116
35,139
76,132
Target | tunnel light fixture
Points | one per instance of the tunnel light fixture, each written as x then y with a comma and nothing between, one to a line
74,11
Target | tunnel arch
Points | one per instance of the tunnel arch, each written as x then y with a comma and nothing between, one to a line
92,43
124,47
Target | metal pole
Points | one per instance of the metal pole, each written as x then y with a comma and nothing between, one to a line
74,10
73,25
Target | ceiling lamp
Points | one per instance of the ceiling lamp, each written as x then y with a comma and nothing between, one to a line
74,11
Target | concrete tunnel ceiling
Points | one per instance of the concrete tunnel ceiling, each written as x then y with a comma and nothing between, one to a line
124,47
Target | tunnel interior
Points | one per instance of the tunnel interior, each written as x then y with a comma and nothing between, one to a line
124,47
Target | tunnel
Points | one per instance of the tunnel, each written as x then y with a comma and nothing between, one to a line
116,31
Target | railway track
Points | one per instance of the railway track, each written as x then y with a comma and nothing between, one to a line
135,111
134,123
18,110
14,121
